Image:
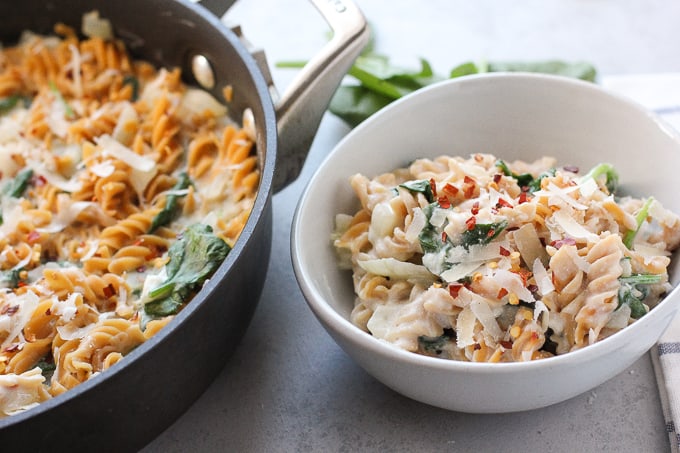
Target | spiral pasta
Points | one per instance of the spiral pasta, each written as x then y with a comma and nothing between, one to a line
109,167
481,260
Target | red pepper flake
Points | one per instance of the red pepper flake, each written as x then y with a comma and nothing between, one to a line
534,336
506,344
433,187
444,236
497,178
16,347
475,208
109,291
40,181
450,190
571,168
454,289
502,293
471,222
33,237
523,198
470,185
504,252
532,288
477,347
21,284
491,233
503,204
48,312
444,202
566,241
525,274
9,310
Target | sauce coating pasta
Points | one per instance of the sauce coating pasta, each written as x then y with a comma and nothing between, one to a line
112,173
486,261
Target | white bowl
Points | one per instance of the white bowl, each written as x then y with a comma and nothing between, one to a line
513,116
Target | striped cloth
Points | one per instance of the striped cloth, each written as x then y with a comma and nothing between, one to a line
666,360
661,94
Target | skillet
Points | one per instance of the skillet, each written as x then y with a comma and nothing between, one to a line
125,407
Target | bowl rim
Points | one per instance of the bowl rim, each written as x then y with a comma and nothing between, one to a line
339,325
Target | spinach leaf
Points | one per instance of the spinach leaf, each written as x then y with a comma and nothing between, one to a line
629,237
421,186
377,82
17,186
611,177
430,239
435,345
134,83
634,290
483,233
169,211
525,179
193,259
10,278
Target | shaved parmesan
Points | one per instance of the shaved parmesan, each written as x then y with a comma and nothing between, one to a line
390,267
485,316
465,328
67,185
103,169
384,317
543,280
458,271
572,228
196,102
114,148
558,196
529,244
514,284
418,222
14,323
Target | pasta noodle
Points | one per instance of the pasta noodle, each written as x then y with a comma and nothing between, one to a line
109,167
481,260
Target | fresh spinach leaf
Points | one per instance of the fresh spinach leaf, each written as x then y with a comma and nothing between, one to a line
525,179
193,259
420,186
134,83
634,290
611,177
10,278
170,210
629,237
17,186
482,233
435,345
430,239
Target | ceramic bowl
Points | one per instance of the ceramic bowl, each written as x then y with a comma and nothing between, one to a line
513,116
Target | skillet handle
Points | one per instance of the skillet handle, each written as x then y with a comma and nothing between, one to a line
301,107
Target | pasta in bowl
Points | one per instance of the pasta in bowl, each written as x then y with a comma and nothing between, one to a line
476,267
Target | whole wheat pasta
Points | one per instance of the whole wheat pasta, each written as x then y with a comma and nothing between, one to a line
110,168
481,260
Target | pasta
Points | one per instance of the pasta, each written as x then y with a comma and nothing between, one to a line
110,169
475,259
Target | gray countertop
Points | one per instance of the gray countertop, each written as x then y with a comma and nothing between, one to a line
289,387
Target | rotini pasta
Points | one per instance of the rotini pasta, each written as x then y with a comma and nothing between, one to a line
486,261
114,174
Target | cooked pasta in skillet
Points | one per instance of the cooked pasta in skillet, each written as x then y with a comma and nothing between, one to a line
486,261
122,190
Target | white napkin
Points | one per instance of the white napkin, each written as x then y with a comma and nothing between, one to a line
661,94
